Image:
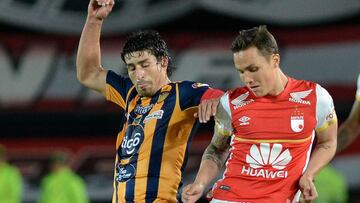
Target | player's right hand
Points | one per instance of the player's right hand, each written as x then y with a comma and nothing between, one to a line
191,193
100,9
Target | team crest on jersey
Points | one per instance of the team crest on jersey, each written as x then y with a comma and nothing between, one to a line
297,123
155,115
197,85
241,101
124,172
260,158
298,97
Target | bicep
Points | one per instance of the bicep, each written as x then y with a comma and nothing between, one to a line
97,81
329,134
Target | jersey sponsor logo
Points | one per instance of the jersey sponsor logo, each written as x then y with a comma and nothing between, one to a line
265,156
297,123
197,85
124,172
244,120
298,97
143,109
155,115
240,101
132,141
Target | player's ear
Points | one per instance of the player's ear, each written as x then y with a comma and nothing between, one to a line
275,58
164,62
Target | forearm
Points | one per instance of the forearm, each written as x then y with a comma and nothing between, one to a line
321,156
348,132
88,56
350,128
211,164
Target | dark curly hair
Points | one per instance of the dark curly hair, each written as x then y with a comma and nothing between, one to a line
258,37
148,40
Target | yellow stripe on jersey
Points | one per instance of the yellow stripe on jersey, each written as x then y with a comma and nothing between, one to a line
175,146
113,95
273,141
326,125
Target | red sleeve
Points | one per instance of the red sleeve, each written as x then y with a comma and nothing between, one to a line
211,94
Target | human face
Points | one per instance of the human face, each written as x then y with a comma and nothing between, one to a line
258,72
146,73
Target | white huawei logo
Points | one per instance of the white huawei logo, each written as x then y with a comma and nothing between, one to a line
299,96
265,155
239,101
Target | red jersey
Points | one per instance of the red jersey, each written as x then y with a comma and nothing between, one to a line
272,137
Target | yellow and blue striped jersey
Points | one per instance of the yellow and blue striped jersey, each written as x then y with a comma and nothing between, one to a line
153,144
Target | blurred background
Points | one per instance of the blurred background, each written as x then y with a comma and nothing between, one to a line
43,108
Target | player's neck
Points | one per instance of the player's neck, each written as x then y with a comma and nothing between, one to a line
280,83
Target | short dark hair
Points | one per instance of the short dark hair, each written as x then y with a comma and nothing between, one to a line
147,40
258,37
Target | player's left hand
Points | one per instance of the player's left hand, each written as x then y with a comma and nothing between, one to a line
308,188
207,108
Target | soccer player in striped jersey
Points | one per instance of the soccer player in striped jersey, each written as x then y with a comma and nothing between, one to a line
153,144
266,131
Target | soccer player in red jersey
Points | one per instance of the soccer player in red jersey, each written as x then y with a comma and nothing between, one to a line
153,144
265,130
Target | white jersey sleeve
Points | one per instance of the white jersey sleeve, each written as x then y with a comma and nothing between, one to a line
358,89
325,110
223,117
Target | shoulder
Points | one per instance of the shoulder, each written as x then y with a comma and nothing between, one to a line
301,84
323,96
238,92
191,84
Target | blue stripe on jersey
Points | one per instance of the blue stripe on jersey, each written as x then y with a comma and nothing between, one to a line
121,84
130,185
158,147
130,190
132,95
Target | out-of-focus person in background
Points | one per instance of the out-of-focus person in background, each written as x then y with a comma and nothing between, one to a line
62,184
268,128
349,130
152,147
331,185
10,180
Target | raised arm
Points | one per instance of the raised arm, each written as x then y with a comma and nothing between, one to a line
349,130
213,158
88,62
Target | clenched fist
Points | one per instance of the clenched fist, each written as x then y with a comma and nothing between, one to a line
100,9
